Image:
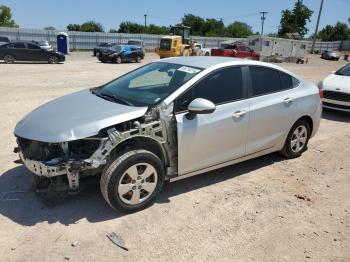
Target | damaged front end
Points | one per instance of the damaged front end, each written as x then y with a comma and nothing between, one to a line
63,164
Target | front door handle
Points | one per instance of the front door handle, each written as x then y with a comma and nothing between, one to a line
239,114
288,100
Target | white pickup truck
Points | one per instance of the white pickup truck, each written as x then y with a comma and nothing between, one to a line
205,51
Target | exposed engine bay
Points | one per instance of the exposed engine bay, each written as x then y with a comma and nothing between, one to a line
66,162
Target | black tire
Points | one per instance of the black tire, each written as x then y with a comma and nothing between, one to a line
115,171
118,60
288,150
206,54
9,59
138,59
52,60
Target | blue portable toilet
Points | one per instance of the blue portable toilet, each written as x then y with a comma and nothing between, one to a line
63,43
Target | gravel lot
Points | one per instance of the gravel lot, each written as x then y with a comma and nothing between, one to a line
246,212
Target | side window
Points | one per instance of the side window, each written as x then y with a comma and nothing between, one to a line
222,86
286,81
31,46
19,45
264,80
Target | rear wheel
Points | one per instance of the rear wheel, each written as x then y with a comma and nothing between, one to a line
132,181
297,139
53,60
9,59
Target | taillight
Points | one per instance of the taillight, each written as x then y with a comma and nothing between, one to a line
320,91
320,88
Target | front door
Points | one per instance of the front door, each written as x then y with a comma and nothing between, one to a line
216,138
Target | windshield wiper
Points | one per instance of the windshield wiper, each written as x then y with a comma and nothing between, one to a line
115,98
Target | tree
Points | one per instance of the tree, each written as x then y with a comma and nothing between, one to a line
91,26
112,30
73,27
340,31
49,28
295,21
6,17
195,22
238,29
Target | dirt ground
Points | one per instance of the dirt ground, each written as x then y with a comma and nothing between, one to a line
246,212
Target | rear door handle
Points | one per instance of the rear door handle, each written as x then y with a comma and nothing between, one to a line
239,114
288,100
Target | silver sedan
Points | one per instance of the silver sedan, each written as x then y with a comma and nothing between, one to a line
167,120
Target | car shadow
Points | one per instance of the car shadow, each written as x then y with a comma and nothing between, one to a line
20,204
334,115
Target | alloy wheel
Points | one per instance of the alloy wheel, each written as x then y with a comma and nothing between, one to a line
137,183
298,139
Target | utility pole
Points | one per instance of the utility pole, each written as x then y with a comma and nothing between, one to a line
145,20
263,18
316,30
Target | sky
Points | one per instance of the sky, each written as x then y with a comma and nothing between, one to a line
58,13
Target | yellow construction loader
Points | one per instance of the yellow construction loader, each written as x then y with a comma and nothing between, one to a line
178,43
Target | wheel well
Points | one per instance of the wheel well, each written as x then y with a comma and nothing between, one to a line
309,120
141,143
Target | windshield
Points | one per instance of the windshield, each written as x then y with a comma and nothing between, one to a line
116,48
148,85
344,71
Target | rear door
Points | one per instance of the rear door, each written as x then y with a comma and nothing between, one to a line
127,53
216,138
272,107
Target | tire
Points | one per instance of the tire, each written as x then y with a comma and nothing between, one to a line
118,176
186,52
118,60
206,54
138,59
197,52
9,59
52,60
297,139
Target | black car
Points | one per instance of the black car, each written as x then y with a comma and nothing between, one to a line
22,51
121,53
101,46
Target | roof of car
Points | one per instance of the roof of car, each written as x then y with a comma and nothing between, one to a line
200,61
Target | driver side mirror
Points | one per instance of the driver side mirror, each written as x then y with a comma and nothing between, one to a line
200,106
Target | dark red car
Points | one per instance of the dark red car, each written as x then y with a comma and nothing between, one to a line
236,50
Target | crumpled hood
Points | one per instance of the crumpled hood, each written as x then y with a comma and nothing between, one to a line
75,116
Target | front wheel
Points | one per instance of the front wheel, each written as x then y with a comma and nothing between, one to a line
132,181
53,60
297,139
118,60
138,59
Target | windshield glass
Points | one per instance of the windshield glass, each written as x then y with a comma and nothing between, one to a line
116,48
344,71
148,85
